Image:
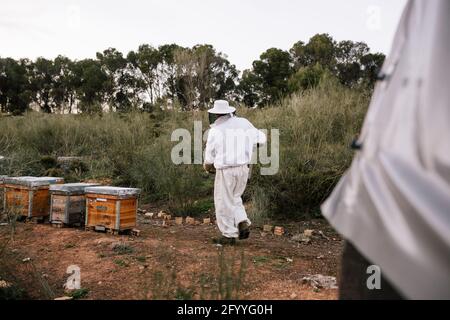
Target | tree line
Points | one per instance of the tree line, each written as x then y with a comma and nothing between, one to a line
179,77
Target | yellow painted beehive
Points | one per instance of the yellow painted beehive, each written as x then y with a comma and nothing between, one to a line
111,208
29,196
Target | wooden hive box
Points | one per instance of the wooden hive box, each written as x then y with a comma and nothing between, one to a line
2,192
29,195
68,203
111,208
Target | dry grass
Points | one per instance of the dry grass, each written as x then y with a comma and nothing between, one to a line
316,128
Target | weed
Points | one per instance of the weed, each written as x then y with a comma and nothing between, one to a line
122,249
121,263
316,128
79,293
141,259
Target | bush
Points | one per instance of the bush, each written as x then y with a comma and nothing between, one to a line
133,150
316,129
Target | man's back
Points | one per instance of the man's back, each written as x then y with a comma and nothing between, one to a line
231,141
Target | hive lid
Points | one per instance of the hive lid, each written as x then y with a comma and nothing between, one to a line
116,191
33,181
72,187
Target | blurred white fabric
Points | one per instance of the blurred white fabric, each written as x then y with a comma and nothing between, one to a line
393,204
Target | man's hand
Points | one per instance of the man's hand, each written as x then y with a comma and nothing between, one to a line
209,168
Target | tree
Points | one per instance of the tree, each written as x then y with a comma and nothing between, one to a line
168,70
371,65
320,49
65,83
216,76
92,84
120,83
203,75
145,62
348,61
306,78
269,76
249,89
15,93
42,83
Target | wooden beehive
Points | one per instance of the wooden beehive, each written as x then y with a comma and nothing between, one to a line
68,203
111,208
29,196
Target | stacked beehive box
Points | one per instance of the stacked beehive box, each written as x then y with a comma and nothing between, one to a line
29,196
68,203
112,209
2,189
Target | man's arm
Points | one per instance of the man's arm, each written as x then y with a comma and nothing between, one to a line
210,154
258,136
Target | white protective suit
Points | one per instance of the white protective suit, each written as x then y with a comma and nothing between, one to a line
394,202
229,147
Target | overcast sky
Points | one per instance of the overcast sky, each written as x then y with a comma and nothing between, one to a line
242,29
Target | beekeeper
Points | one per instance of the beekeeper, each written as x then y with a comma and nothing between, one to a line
229,150
393,204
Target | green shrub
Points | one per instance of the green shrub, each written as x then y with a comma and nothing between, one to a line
79,293
133,150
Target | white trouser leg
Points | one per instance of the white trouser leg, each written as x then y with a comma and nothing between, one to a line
229,186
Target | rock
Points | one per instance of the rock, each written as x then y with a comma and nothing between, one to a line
161,214
3,224
319,281
293,296
166,223
116,244
324,236
104,240
63,298
289,260
26,260
306,240
304,237
4,284
149,214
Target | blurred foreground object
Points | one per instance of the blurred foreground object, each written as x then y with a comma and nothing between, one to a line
393,204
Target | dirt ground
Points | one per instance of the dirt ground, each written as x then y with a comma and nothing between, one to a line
170,262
